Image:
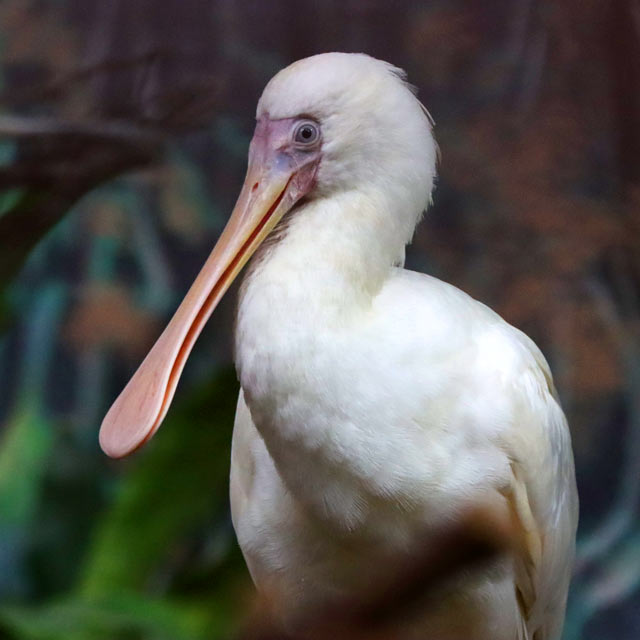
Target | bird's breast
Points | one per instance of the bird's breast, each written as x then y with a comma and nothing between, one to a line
353,415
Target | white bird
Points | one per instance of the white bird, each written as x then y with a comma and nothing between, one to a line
377,405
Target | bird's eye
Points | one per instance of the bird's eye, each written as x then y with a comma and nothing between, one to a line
306,133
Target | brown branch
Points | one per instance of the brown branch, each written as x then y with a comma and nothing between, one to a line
64,82
60,162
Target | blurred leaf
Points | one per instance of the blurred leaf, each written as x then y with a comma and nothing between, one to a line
23,452
24,449
125,615
9,198
174,486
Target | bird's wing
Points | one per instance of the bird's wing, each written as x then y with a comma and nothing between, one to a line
511,387
541,495
242,461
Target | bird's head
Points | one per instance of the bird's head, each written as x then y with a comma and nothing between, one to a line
348,122
326,125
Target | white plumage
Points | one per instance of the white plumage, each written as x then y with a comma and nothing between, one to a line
378,405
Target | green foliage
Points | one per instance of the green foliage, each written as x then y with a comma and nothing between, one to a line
23,454
127,616
9,199
175,486
24,450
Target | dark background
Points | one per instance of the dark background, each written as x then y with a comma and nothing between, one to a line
124,128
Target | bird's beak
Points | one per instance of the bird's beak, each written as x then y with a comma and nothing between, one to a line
276,179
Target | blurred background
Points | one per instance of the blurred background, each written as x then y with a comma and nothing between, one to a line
124,127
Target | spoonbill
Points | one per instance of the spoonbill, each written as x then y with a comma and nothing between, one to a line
377,404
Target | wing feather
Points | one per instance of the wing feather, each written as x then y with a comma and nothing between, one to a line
542,497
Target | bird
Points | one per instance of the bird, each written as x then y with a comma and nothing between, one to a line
377,405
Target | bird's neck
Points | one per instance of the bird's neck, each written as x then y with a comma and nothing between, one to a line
305,299
331,255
